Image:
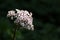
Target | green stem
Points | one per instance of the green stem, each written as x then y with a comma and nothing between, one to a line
14,34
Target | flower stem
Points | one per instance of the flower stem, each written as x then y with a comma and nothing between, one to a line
14,33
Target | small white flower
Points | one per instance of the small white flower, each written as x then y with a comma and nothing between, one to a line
11,13
23,17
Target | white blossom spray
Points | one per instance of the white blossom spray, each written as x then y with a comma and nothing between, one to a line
23,17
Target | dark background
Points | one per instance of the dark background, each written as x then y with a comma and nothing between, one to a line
46,14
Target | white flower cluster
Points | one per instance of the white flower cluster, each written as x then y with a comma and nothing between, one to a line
23,17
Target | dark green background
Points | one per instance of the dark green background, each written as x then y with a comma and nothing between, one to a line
46,14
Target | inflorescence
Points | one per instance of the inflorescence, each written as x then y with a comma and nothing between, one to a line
23,18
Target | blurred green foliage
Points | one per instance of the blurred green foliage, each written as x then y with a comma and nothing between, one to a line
46,14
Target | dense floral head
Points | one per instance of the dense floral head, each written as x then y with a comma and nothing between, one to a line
23,17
